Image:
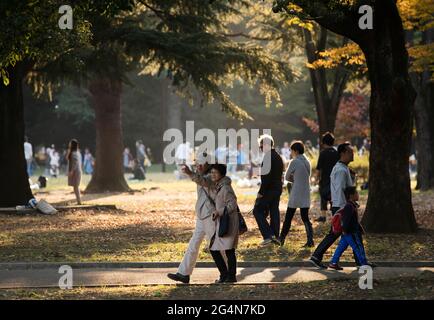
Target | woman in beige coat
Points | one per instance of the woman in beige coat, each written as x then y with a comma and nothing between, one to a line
224,197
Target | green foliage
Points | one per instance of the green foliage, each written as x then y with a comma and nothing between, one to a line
188,39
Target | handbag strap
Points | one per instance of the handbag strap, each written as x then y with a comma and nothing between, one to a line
209,197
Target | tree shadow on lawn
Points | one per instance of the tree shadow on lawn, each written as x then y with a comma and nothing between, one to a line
85,197
94,244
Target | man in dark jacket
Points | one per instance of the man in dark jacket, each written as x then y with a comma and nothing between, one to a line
269,193
328,157
351,231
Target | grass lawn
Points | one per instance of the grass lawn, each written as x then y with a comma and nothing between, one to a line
421,287
155,223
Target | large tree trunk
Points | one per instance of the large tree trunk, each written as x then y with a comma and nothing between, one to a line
327,104
389,207
424,116
106,100
14,188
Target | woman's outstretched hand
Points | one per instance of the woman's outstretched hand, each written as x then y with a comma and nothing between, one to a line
186,170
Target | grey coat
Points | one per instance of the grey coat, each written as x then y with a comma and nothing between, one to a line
224,196
300,169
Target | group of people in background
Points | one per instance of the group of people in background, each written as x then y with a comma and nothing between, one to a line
216,198
137,165
54,161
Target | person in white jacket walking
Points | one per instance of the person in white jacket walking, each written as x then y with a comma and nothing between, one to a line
205,226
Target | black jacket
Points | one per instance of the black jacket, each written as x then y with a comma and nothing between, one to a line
350,218
272,181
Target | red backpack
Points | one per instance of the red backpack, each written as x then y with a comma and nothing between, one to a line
337,221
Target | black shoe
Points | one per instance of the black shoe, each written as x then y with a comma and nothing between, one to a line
282,241
230,279
275,241
321,219
222,279
178,277
335,266
309,244
317,263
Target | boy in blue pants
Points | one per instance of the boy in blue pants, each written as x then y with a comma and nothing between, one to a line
351,231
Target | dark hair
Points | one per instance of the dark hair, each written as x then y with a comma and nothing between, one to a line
267,139
297,146
343,147
328,138
221,168
73,146
349,191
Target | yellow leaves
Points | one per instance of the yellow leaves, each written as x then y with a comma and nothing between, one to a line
294,8
298,22
423,56
417,14
5,77
349,54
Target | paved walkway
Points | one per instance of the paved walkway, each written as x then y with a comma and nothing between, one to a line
46,277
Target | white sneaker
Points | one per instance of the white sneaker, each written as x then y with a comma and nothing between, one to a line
265,242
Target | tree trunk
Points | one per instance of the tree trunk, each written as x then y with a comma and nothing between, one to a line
106,100
164,110
14,188
327,104
424,115
424,134
389,207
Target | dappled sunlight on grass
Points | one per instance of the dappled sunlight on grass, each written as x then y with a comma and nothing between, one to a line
156,223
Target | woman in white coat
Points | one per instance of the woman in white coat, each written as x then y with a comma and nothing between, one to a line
298,173
224,197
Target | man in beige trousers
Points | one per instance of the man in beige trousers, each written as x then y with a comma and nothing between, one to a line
205,226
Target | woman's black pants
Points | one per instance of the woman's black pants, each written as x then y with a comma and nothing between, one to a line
231,268
288,219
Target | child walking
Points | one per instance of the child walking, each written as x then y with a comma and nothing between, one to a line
351,231
74,168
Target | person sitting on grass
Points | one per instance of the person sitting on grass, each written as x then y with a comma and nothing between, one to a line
138,172
351,231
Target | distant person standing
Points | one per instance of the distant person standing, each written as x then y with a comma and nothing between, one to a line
74,168
298,173
127,160
54,163
48,153
328,157
286,152
87,162
140,153
268,197
340,180
28,154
